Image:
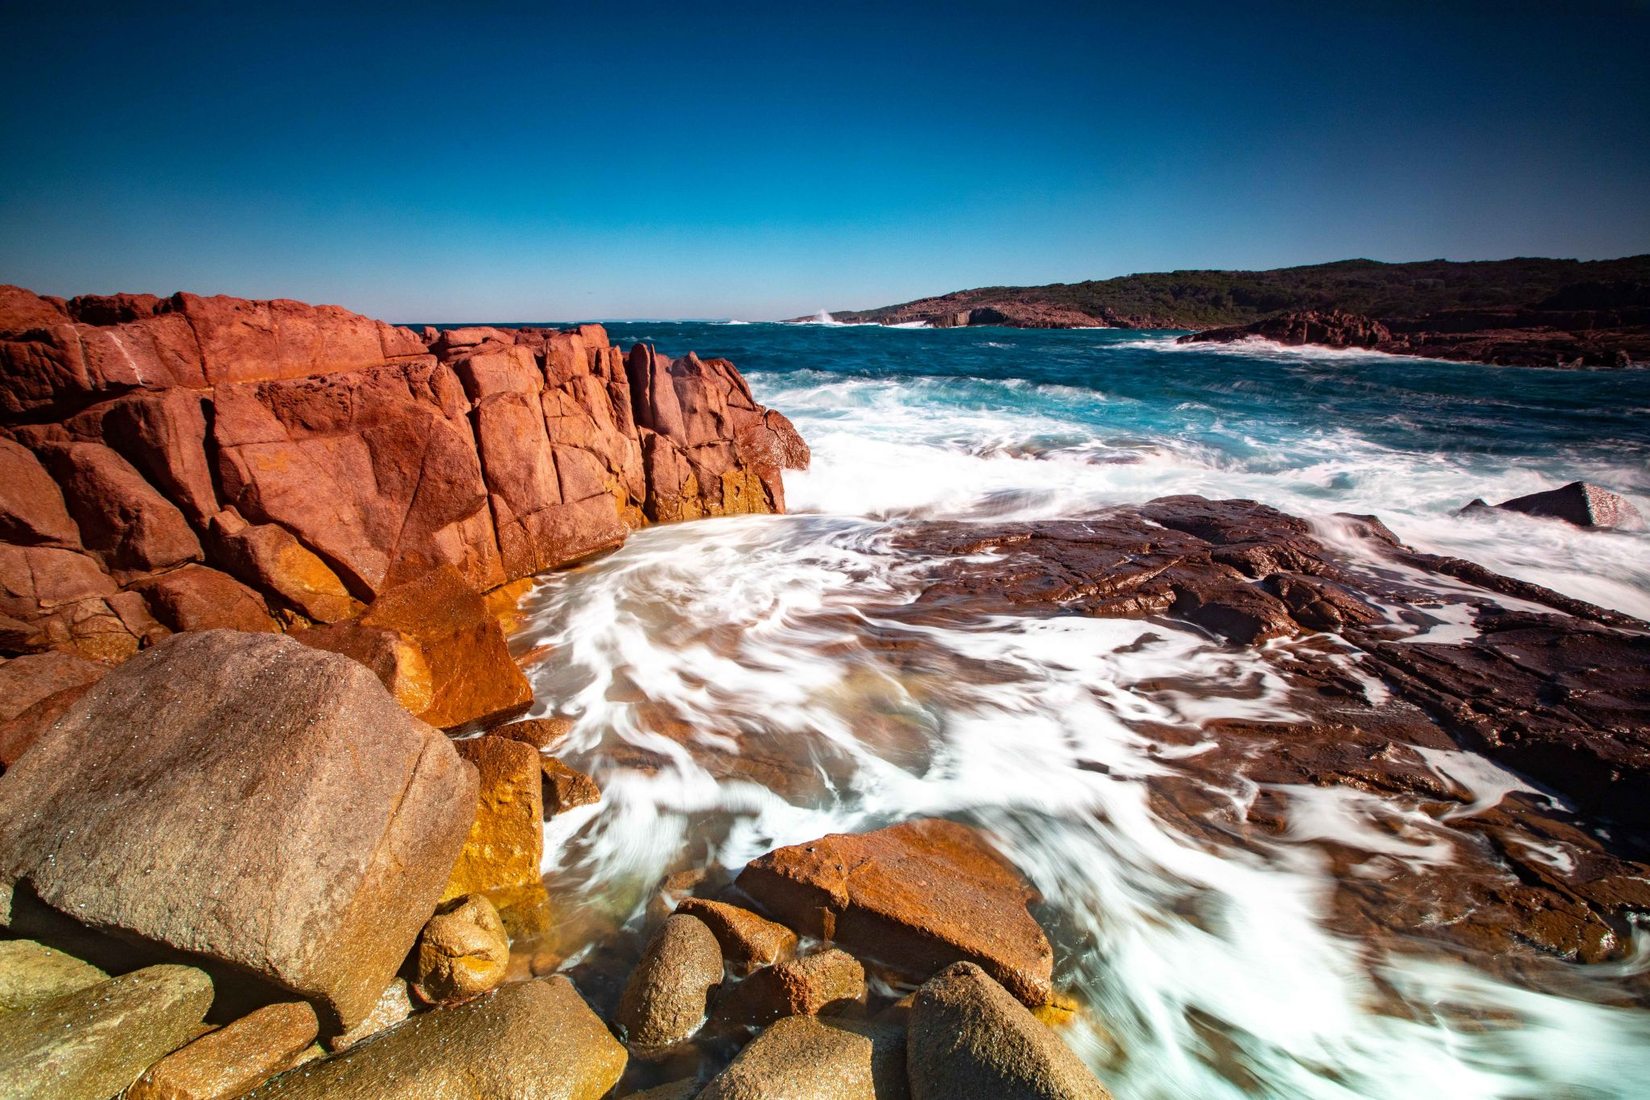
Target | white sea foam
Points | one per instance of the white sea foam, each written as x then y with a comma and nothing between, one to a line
1199,966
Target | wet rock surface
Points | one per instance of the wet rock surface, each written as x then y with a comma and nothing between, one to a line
1552,687
462,951
233,1059
916,896
812,1059
667,996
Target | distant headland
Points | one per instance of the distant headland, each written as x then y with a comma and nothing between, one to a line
1523,312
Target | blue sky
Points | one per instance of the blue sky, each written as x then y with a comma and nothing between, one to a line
561,161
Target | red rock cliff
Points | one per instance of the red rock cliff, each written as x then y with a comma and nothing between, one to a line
175,463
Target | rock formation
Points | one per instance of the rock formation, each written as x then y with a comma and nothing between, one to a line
187,462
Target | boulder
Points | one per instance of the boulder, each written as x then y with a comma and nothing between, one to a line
1579,503
32,973
32,512
534,1040
246,799
826,982
436,647
122,519
915,897
233,1059
968,1039
196,597
462,951
92,1043
668,992
806,1058
748,941
541,733
506,842
566,788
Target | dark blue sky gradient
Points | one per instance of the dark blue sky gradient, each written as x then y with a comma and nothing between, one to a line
584,160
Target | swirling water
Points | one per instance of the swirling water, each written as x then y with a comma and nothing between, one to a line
744,683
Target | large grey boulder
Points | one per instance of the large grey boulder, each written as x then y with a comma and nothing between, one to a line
533,1040
91,1044
806,1058
970,1039
249,800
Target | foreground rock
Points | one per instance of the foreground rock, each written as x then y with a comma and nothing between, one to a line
534,1040
91,1044
969,1040
246,799
304,459
232,1059
668,993
915,897
32,973
748,942
1578,502
462,951
804,1058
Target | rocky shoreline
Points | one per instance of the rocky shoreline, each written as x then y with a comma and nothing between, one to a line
272,824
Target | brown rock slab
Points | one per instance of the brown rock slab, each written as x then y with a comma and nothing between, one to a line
462,951
122,519
506,843
248,800
915,897
748,941
269,557
196,597
437,648
233,1059
566,788
829,981
806,1058
666,998
541,733
32,973
91,1044
32,511
534,1040
970,1040
35,690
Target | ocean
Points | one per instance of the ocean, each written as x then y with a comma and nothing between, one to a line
743,683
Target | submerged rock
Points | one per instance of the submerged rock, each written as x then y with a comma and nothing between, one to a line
970,1040
245,799
534,1040
806,1058
916,897
748,941
1579,503
92,1043
667,996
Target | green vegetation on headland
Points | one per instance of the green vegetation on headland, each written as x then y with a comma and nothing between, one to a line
1205,299
1526,312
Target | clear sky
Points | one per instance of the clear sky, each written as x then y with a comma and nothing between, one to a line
561,161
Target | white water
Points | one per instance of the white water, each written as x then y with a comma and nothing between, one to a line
1205,972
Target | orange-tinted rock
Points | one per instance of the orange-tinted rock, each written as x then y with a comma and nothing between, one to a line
25,311
541,733
163,434
831,981
270,558
61,599
506,843
198,598
436,647
748,941
566,788
915,897
233,1059
462,951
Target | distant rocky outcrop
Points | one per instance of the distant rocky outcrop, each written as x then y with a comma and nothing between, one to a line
186,462
1521,312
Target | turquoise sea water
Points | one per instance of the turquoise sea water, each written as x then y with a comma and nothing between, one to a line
738,684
